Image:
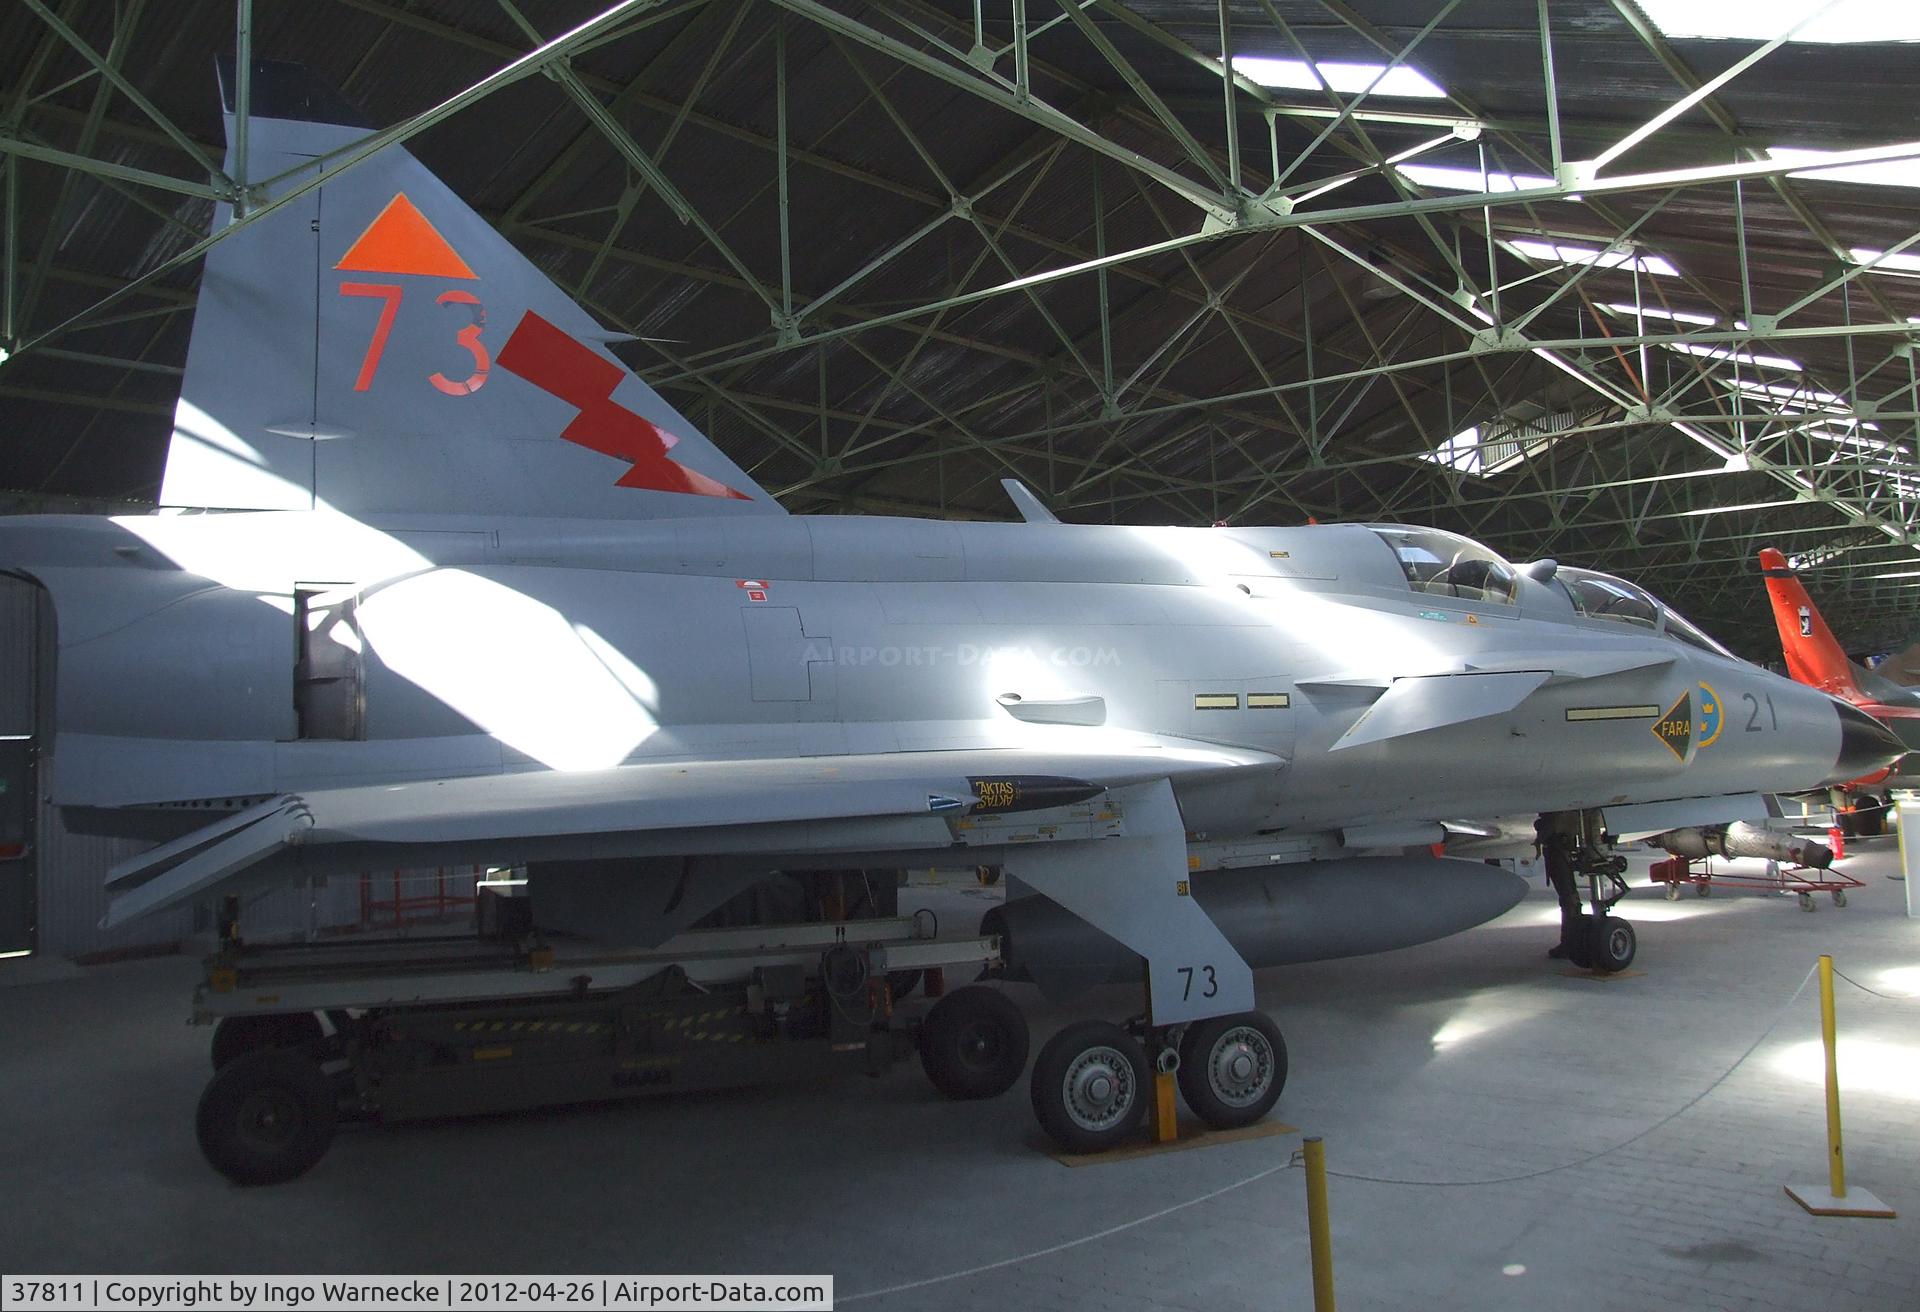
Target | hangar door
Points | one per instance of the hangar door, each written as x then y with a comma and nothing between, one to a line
22,666
17,863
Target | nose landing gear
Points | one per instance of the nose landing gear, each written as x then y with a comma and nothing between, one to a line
1573,845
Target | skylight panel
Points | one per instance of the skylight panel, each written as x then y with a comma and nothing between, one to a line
1549,252
1446,178
1887,173
1786,396
1347,79
1844,427
1460,452
1744,357
1763,20
1902,262
1655,312
1855,442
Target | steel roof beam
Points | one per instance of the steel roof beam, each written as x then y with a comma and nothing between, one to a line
997,91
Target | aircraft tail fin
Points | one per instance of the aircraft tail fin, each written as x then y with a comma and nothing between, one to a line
374,345
1814,656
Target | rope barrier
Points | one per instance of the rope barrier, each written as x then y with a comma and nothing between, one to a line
1297,1160
1664,1121
1890,997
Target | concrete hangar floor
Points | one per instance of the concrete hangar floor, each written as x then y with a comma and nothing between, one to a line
1469,1060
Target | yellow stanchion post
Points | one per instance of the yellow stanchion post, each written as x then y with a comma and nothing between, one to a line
1319,1237
1830,1041
1834,1200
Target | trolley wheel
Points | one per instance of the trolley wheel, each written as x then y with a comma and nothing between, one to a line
1673,892
1839,897
973,1043
1091,1086
236,1036
1806,902
1232,1068
266,1117
1703,888
1613,944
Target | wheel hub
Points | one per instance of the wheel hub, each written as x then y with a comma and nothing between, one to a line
269,1119
980,1045
1099,1088
1240,1067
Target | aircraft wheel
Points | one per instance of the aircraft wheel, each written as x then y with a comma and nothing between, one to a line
1091,1086
1232,1069
1871,821
1613,946
974,1043
902,982
267,1117
236,1036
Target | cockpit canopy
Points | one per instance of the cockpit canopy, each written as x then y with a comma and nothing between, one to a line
1603,597
1448,565
1600,596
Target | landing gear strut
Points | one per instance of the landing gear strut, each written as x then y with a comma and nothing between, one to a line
1573,845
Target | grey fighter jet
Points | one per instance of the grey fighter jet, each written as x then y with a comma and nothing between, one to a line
442,581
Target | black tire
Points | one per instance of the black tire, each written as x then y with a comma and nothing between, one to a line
974,1043
1091,1086
236,1036
1232,1069
267,1117
1612,945
1871,820
900,983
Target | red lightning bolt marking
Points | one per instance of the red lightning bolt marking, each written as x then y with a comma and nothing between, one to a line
556,363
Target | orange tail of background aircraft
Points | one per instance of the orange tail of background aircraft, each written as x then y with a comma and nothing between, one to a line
1814,656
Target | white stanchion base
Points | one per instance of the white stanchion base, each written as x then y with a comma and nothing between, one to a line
1817,1199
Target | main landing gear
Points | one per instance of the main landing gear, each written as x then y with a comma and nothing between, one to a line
1093,1083
1573,845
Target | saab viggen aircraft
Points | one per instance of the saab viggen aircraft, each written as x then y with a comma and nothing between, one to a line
441,581
1814,657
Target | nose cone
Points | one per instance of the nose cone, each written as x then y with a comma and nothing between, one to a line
1866,745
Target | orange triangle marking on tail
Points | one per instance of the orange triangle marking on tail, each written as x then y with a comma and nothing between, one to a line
400,240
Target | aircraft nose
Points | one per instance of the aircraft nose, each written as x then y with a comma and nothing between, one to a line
1866,745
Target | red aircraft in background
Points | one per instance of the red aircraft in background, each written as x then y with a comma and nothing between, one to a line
1814,657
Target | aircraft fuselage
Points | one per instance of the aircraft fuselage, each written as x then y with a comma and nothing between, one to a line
231,656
